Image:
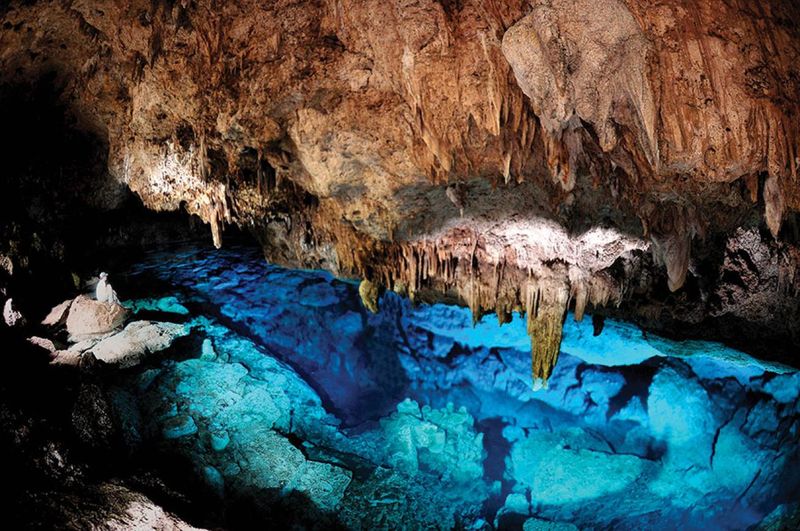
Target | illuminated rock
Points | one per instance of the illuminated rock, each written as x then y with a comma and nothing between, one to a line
88,317
136,341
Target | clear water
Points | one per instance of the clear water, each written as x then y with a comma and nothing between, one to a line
412,417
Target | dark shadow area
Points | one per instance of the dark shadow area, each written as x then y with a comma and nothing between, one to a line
61,213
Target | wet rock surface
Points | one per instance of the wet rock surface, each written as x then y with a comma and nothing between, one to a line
631,431
136,341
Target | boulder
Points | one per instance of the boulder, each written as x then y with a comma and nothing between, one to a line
136,341
58,315
88,317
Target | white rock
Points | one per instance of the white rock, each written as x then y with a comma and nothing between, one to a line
11,316
136,341
89,318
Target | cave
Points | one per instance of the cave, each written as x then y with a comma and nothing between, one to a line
377,264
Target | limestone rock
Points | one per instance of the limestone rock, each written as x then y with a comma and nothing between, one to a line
138,340
11,315
70,358
42,342
58,315
681,412
88,317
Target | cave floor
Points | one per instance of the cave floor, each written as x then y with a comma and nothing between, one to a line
291,395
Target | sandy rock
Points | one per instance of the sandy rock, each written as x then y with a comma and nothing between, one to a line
136,341
58,315
88,317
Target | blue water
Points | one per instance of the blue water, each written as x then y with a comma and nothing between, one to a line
412,417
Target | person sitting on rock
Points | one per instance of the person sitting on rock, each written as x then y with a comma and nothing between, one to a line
104,292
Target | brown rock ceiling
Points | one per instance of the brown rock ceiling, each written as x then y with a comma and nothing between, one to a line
506,155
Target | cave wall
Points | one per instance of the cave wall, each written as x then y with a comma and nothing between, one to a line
459,149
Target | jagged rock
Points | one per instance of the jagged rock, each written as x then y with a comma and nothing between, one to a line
577,62
88,317
11,315
93,421
67,357
7,264
58,315
115,507
136,341
434,439
46,344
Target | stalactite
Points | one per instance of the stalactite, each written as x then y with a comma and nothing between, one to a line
545,305
213,208
581,296
369,295
774,205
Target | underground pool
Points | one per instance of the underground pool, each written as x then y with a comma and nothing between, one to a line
294,395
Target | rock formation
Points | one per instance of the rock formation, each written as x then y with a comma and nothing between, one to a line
511,156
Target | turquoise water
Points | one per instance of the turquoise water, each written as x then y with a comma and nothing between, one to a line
297,399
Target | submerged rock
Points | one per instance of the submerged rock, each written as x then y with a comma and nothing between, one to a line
536,524
682,414
631,433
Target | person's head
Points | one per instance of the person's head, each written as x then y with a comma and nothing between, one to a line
103,276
